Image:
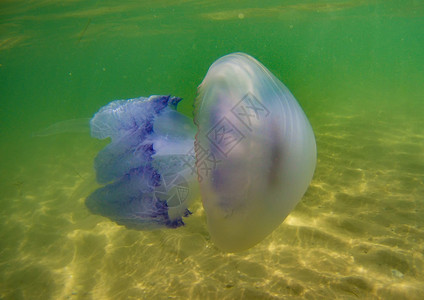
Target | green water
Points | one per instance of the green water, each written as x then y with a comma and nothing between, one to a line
357,69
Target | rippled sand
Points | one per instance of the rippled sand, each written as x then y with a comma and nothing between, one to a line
358,232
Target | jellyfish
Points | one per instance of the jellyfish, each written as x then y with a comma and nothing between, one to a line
147,170
250,155
255,149
80,125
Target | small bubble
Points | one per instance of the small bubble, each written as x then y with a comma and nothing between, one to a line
241,16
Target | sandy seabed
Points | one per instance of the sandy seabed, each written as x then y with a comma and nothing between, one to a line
357,233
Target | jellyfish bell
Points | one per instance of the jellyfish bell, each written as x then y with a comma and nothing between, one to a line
255,151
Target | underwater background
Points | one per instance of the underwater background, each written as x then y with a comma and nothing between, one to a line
355,66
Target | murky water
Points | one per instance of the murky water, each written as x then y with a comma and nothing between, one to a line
357,69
